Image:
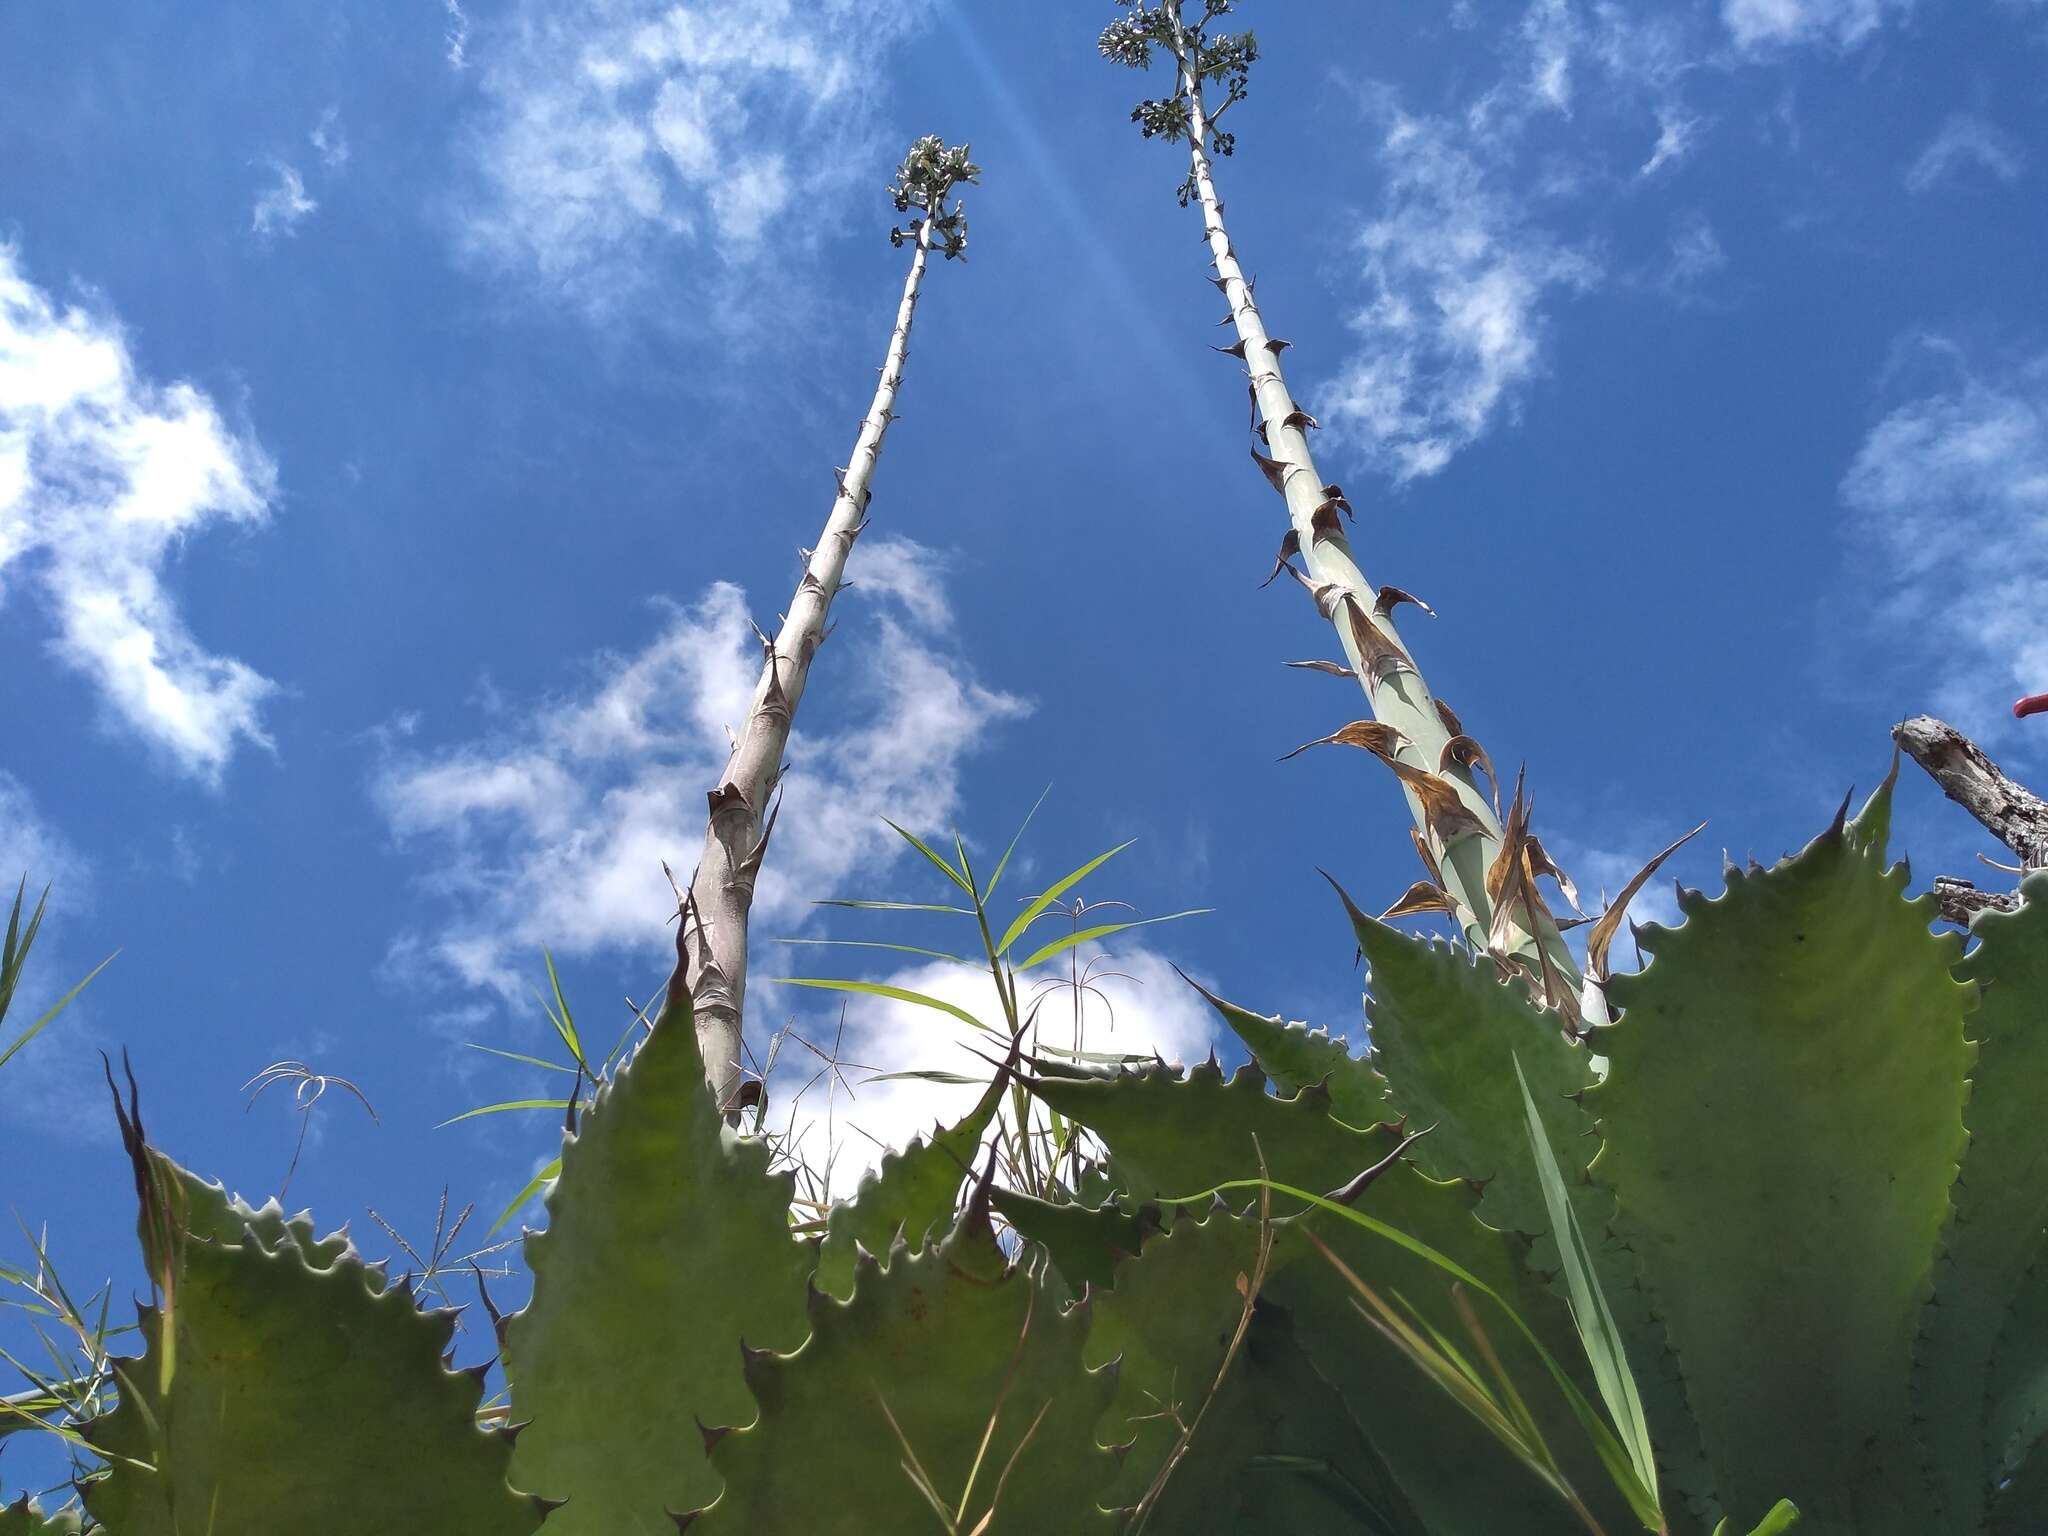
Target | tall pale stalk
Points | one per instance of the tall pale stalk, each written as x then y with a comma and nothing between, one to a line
1482,873
712,947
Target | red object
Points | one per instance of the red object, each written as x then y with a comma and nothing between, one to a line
2032,704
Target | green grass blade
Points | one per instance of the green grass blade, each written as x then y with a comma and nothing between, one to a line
901,949
1596,1325
1053,893
1783,1516
882,989
922,847
531,1061
893,906
55,1008
565,1025
552,1170
1069,941
1004,862
498,1109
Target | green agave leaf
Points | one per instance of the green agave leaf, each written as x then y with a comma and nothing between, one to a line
1446,1035
668,1244
1982,1382
1171,1138
1782,1121
898,1386
302,1398
24,1519
1086,1243
1783,1516
906,1194
1296,1057
1274,1449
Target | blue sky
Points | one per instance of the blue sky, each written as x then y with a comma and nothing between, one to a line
403,407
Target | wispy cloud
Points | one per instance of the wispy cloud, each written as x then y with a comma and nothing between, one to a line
104,475
617,133
1965,142
53,1088
1948,505
329,141
1457,277
555,832
30,847
455,40
282,205
1756,24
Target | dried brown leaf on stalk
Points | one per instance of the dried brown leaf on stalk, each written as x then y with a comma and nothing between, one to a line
1299,419
1448,815
1336,493
1541,863
1429,862
1375,650
1334,668
1421,897
1333,505
1274,471
1468,754
1382,741
1449,716
1323,523
1276,345
1235,349
1290,546
1391,598
1601,937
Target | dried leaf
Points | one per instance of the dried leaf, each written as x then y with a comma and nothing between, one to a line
1290,546
1336,493
1235,349
1323,523
1602,935
1274,471
1333,505
1423,896
1429,862
1326,597
1541,863
1277,345
1334,668
1222,284
1391,598
1382,741
727,796
1445,713
1508,858
1375,650
1300,420
1468,754
1443,808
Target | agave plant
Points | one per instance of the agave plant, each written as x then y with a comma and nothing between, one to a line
741,814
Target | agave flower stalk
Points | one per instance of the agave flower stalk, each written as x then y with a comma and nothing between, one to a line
713,945
1481,872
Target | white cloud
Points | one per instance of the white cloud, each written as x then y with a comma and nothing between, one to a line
1948,503
1676,134
455,41
280,207
555,832
1457,277
103,477
619,130
1696,252
1154,1012
1768,23
1550,28
31,847
1963,142
329,141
